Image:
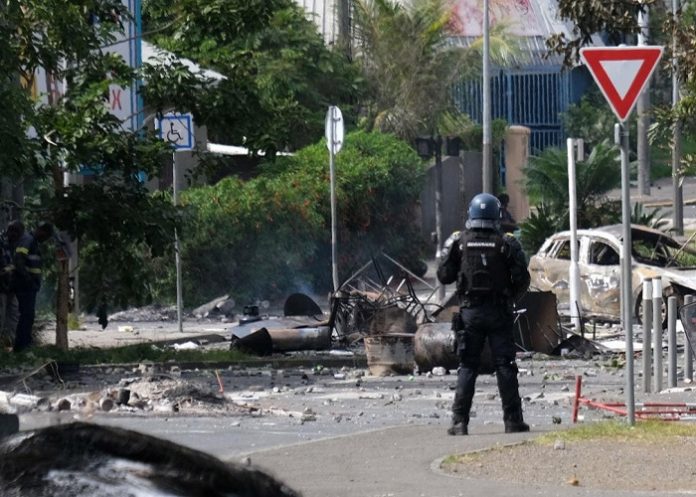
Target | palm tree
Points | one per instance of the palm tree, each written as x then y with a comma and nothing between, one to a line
546,183
546,177
410,63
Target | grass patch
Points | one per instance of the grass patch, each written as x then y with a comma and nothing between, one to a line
468,457
450,462
647,431
117,355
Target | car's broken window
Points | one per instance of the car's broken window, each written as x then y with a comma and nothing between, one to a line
603,254
563,252
661,250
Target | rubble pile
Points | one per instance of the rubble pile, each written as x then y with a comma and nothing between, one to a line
146,314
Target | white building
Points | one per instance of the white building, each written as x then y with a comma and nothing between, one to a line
326,15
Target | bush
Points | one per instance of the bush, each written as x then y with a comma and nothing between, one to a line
270,236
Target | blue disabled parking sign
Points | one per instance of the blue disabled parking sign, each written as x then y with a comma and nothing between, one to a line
177,130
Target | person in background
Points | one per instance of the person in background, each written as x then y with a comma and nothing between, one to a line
507,222
491,274
27,278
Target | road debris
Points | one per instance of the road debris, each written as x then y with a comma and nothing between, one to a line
220,308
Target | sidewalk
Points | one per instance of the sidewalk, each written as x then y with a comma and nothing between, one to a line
660,197
119,334
402,462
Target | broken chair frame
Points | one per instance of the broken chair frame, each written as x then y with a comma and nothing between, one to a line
354,305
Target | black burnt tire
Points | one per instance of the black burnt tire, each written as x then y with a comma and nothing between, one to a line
666,293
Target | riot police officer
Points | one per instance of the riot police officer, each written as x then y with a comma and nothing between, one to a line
491,274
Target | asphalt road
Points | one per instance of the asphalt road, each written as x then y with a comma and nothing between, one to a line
293,408
376,437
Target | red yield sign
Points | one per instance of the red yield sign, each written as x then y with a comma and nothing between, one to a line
621,73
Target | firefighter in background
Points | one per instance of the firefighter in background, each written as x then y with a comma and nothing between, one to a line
26,280
491,274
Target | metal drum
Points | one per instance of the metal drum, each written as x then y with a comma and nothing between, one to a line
390,354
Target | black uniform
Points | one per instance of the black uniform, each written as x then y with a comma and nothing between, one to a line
26,283
491,274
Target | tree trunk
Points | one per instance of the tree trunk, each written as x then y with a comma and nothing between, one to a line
63,285
62,300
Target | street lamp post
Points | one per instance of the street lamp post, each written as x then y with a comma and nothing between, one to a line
677,191
486,105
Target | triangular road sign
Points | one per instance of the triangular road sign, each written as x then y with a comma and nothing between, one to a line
621,73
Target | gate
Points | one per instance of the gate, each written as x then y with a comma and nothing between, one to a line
534,99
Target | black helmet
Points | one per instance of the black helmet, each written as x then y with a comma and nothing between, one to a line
484,211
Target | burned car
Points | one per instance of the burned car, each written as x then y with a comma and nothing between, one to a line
654,254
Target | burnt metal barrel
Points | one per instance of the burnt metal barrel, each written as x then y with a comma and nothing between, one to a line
390,353
434,347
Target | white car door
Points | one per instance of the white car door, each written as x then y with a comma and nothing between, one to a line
600,276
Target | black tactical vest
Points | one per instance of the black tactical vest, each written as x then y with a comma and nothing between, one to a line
484,268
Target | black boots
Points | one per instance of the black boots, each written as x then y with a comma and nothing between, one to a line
458,427
508,387
516,426
514,422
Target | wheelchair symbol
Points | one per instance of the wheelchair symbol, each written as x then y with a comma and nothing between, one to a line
176,130
173,135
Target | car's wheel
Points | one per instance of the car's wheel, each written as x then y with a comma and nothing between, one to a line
666,293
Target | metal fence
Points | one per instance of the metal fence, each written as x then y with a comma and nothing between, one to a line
527,98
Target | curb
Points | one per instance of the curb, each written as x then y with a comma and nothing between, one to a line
358,361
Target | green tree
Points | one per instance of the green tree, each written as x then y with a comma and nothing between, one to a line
114,214
617,21
590,119
546,182
266,237
409,61
279,75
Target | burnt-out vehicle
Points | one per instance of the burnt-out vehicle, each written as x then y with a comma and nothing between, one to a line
654,254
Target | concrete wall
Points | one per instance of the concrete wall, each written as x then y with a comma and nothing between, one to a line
324,15
516,156
461,180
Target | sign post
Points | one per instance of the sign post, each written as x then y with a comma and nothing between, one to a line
574,273
177,131
621,74
334,141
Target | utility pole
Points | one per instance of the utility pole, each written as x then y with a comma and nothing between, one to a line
677,192
486,107
643,107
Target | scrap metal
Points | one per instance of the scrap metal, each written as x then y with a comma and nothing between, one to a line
370,303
